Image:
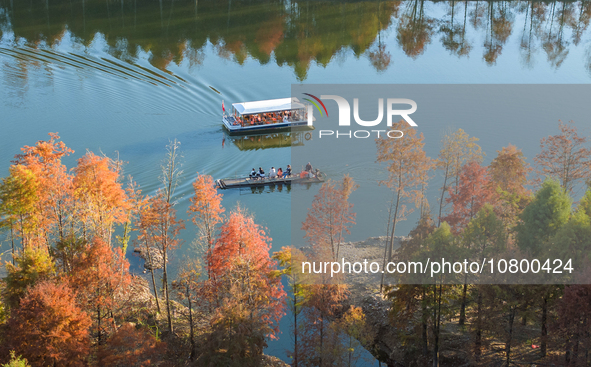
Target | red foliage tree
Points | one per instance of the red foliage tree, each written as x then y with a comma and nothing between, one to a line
243,244
49,329
473,191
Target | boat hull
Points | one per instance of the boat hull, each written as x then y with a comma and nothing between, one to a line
231,183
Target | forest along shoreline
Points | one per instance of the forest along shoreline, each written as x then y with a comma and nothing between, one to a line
387,342
365,293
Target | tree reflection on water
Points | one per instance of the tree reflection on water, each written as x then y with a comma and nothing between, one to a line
299,33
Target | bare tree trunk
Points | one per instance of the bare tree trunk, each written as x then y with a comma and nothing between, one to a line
544,338
12,240
436,326
295,330
191,331
443,190
153,278
462,320
165,281
510,337
424,326
478,342
391,247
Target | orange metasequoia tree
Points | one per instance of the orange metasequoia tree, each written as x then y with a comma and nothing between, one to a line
100,276
457,149
160,232
246,286
508,173
206,208
408,169
564,157
54,209
131,347
48,329
471,194
330,217
102,202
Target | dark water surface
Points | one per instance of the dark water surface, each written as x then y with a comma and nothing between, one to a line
127,76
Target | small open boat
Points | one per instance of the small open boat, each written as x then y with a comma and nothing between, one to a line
231,183
265,116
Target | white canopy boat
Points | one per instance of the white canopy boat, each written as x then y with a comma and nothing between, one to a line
272,114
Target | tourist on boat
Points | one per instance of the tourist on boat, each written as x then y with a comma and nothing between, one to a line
272,173
288,171
280,173
308,167
261,173
253,174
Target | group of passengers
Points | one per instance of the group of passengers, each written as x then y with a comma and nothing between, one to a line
280,173
265,118
273,174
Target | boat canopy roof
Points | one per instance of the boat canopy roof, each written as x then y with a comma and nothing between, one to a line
271,105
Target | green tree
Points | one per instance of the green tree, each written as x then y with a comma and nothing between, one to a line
573,240
16,361
31,266
18,200
289,260
543,217
585,203
440,244
485,235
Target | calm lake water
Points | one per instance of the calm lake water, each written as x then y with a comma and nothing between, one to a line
128,76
